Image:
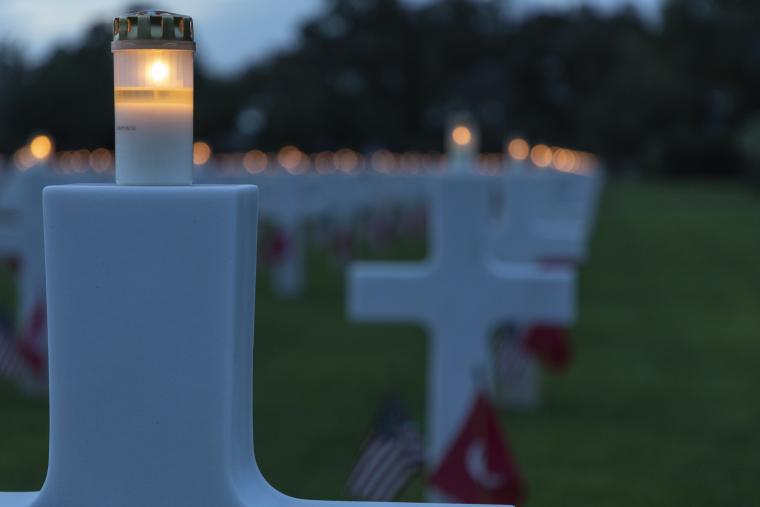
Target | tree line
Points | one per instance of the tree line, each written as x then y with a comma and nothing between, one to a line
679,96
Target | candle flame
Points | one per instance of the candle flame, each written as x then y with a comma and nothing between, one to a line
159,72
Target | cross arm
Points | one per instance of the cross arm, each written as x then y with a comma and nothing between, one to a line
532,293
385,292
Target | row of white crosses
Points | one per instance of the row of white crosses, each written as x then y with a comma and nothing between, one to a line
107,395
528,231
291,201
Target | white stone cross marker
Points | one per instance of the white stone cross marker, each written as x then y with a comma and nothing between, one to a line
150,297
460,295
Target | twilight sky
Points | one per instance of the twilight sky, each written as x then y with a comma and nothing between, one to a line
269,24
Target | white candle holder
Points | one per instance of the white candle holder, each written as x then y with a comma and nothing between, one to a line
153,98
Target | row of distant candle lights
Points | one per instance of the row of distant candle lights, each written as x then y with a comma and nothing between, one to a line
41,150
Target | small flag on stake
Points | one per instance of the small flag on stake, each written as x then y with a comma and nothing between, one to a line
479,467
390,458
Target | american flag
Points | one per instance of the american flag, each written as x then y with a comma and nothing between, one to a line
390,458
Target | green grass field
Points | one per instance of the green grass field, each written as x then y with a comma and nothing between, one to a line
660,407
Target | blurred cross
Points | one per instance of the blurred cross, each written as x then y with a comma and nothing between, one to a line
460,295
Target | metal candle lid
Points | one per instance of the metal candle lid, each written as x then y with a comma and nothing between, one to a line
153,30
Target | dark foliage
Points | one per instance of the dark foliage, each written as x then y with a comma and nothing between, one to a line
678,97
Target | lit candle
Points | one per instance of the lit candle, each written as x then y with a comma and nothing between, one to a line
462,143
153,95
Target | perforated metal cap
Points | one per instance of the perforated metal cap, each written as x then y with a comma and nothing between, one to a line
153,29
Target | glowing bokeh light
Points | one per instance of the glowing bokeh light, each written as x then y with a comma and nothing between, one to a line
201,153
41,147
255,161
101,160
461,135
518,149
346,160
291,159
561,159
23,158
541,155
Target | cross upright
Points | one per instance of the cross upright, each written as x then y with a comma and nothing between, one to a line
460,294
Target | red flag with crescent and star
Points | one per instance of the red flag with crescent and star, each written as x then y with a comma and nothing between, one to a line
479,467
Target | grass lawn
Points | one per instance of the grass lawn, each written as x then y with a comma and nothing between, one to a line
659,409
